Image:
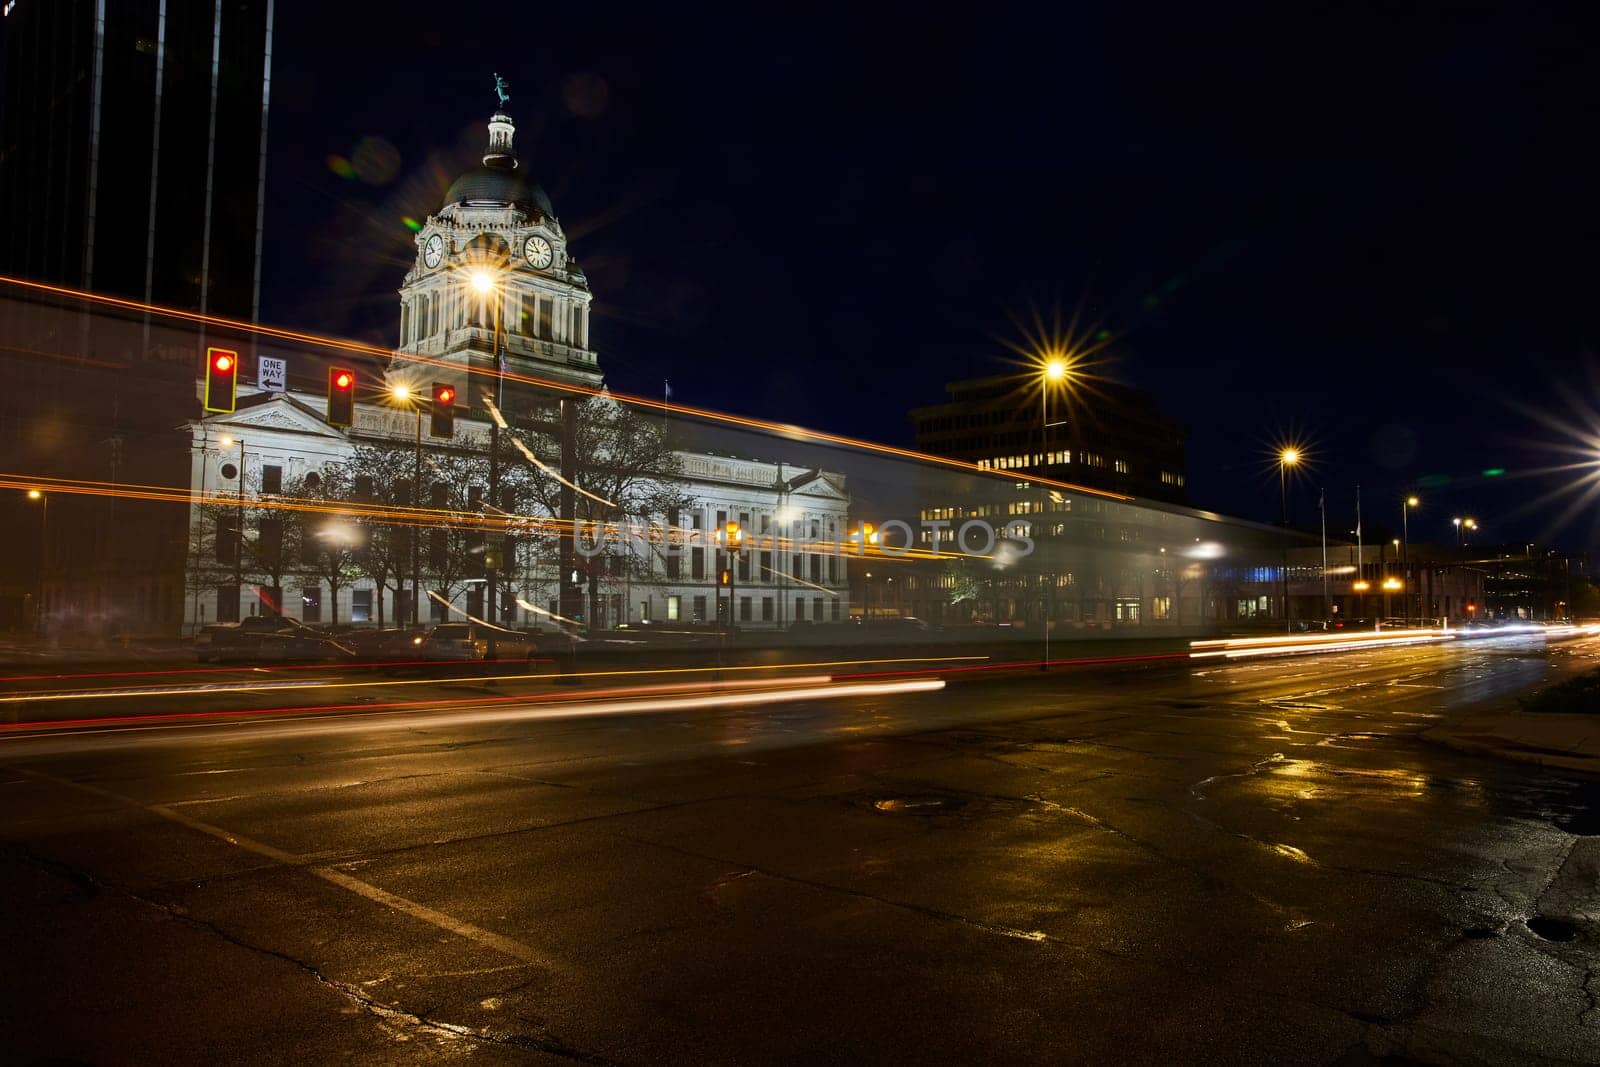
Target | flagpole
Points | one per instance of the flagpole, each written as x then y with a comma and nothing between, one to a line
1361,559
1322,507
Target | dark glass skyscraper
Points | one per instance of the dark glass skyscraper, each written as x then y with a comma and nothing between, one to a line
132,164
133,155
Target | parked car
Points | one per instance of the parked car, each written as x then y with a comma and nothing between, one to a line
470,641
387,644
266,638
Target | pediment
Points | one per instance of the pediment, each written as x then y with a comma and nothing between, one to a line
282,414
820,485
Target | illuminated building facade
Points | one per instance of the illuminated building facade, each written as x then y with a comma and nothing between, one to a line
495,285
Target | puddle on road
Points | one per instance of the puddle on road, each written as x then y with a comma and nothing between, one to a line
926,805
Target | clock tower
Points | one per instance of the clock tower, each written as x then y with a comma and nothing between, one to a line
494,282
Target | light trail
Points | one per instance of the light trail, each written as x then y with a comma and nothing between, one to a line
645,699
135,692
1290,644
782,429
500,522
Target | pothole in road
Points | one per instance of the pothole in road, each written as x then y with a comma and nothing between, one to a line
1548,929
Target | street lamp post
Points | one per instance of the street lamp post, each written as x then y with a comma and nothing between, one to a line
44,550
1405,547
1287,458
1055,373
487,283
403,394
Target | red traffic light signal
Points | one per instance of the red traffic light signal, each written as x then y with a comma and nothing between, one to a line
341,396
444,410
222,379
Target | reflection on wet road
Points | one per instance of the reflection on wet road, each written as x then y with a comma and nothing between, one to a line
1241,860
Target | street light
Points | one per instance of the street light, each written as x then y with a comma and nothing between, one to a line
401,394
486,281
43,499
1287,458
1054,374
1405,542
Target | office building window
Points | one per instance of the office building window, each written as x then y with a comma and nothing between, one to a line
673,608
644,611
361,605
816,609
699,606
744,609
311,604
766,609
835,609
697,562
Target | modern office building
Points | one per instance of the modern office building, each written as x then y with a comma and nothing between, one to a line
1102,435
132,164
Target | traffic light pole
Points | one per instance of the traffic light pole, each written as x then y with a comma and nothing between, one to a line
416,533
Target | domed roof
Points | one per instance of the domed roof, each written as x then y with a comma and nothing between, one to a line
497,185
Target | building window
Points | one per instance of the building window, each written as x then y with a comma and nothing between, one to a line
311,603
1161,607
271,478
227,544
1121,465
673,608
699,607
644,611
766,609
835,609
697,563
361,605
744,609
227,603
816,609
799,607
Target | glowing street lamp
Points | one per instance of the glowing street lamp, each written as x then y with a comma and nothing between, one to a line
1287,457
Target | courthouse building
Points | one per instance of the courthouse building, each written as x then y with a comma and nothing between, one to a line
495,288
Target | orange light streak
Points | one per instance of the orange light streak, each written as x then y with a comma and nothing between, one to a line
650,404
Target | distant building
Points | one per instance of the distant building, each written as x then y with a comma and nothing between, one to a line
1528,582
1104,435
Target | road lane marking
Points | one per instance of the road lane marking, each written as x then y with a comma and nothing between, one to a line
488,938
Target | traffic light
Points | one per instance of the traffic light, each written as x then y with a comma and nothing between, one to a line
444,410
341,396
726,576
222,379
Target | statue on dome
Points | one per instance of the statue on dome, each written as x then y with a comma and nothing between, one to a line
501,87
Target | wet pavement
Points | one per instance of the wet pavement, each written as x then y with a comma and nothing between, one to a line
1255,862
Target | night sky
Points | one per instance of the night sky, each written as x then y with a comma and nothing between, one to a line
1375,233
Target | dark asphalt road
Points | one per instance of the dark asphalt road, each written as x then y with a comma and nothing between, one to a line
1251,862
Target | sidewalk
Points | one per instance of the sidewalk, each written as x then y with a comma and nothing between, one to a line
1571,742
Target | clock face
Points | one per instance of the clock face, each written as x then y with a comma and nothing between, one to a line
538,252
433,251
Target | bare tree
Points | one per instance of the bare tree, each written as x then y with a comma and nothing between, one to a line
628,476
